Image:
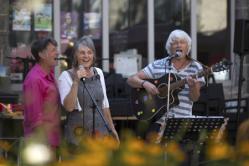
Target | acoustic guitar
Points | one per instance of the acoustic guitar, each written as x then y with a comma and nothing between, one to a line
151,107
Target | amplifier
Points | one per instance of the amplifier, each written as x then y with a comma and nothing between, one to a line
120,107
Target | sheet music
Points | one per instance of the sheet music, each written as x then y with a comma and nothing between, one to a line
193,125
208,117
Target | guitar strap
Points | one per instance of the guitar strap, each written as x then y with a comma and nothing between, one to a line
190,58
204,66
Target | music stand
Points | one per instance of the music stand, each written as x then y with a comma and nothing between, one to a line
189,128
188,132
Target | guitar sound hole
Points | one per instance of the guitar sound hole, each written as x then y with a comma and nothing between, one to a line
162,88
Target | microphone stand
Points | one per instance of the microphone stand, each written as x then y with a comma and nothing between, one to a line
240,84
93,131
168,98
168,91
98,110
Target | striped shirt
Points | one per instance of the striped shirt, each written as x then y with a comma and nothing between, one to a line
161,67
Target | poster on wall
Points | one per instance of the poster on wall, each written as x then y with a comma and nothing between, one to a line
92,24
21,18
43,18
69,24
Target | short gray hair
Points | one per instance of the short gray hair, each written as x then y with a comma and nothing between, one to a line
83,41
177,34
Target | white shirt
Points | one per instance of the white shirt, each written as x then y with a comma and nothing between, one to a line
65,82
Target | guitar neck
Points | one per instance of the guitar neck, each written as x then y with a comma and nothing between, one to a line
182,82
178,84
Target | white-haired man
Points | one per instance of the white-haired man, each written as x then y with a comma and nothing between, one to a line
178,48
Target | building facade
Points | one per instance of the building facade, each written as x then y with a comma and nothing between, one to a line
124,27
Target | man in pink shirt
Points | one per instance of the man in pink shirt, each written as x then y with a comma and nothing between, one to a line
41,97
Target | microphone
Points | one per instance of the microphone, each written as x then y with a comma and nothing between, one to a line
81,67
178,53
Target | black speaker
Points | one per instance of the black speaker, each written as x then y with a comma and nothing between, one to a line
241,36
211,101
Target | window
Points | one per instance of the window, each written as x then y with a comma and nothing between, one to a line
128,28
213,33
79,18
29,20
169,15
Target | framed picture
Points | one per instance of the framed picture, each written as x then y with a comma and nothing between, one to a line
69,24
92,24
43,18
21,18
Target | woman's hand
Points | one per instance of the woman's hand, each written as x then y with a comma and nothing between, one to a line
83,73
115,135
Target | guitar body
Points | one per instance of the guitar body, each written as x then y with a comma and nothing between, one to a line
152,107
